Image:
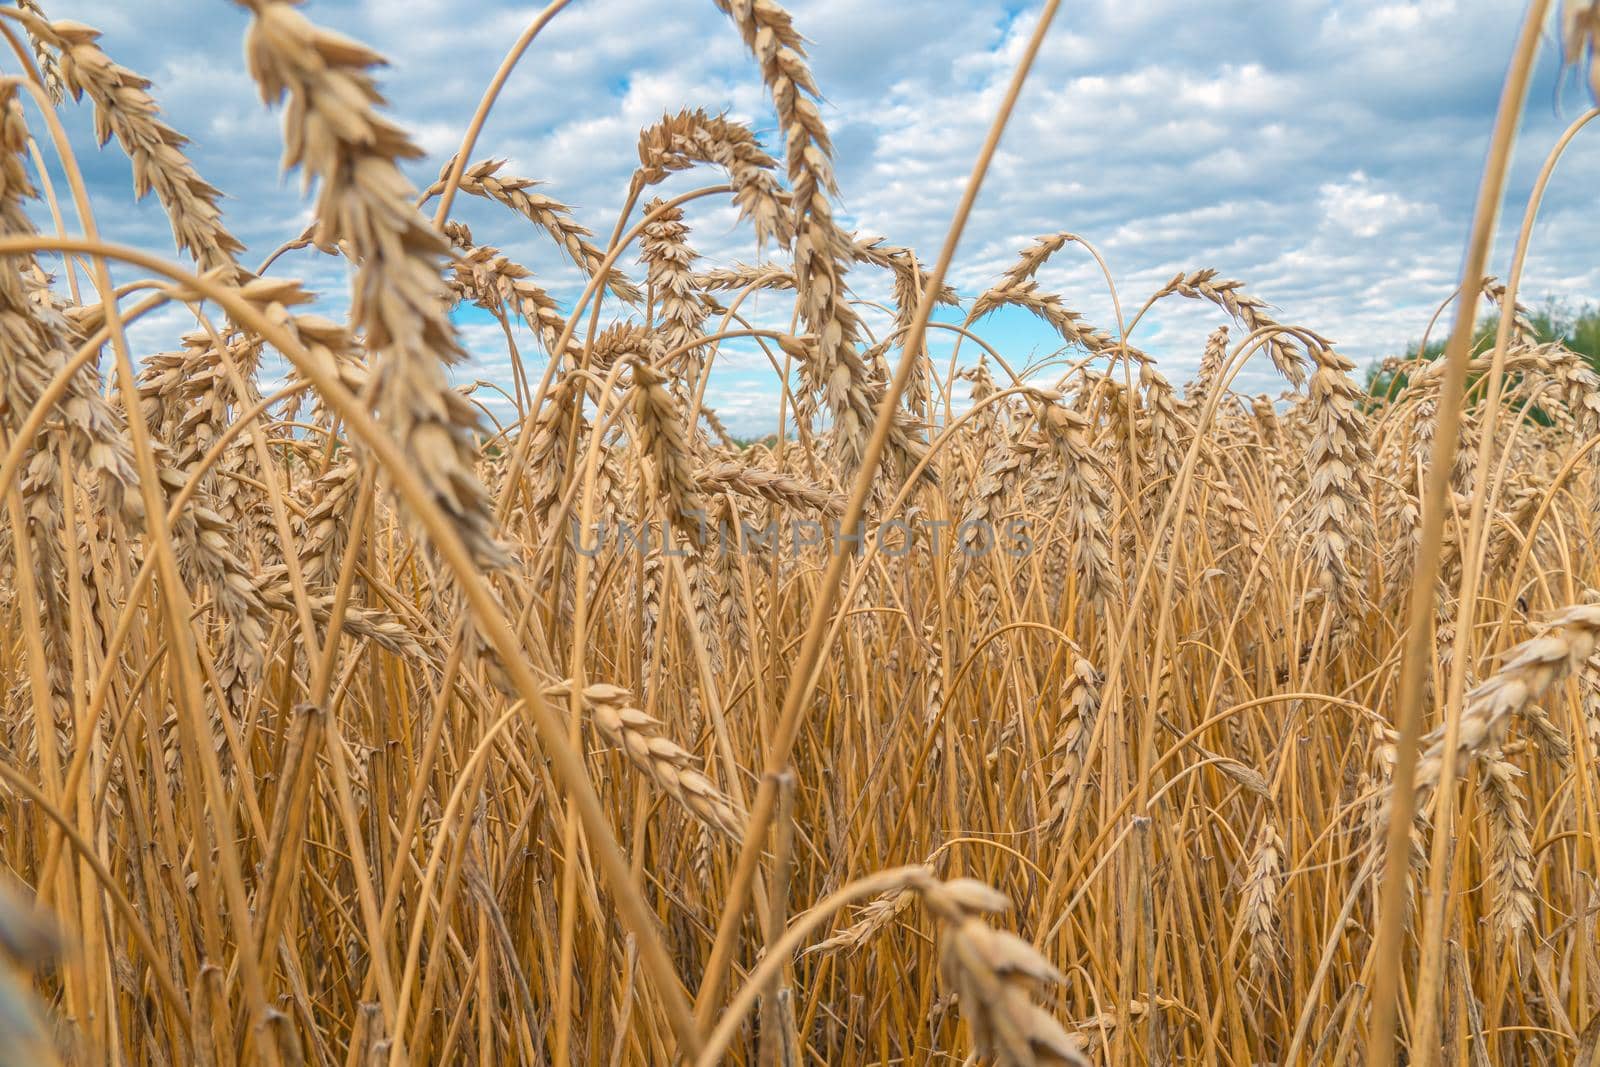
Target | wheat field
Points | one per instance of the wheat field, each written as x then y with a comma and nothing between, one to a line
995,709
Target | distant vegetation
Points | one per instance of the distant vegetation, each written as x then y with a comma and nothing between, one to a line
1554,321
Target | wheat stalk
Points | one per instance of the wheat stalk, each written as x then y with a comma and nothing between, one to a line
1216,797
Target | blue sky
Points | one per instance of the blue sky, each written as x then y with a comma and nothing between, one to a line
1325,153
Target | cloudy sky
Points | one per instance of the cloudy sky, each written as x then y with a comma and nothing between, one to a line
1325,153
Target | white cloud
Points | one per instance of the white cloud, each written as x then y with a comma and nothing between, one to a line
1358,208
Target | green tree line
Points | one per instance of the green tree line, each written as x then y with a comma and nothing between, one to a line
1576,327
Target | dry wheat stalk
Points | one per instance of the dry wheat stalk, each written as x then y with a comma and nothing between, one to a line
189,395
933,678
124,109
1237,516
651,577
937,721
1463,469
983,387
93,433
1270,434
204,542
1545,736
1579,389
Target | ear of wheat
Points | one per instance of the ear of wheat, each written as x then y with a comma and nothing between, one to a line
1528,672
995,974
555,218
1580,27
333,131
1249,311
672,769
123,109
688,138
1258,902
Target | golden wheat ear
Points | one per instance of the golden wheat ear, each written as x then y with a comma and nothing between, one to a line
553,217
995,975
334,132
638,736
